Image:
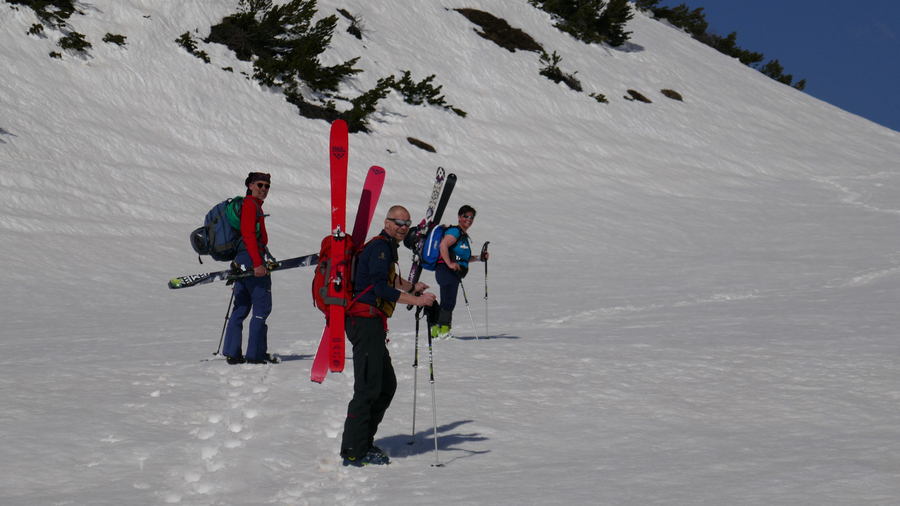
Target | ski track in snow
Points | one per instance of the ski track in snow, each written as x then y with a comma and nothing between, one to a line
859,190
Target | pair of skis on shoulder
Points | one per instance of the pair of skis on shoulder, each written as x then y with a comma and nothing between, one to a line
331,351
440,195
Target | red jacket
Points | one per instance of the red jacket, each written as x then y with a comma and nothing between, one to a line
251,214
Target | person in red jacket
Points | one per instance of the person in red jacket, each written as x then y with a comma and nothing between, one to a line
251,292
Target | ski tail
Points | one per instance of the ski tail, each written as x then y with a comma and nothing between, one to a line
445,198
320,363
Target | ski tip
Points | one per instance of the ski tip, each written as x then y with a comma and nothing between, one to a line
175,283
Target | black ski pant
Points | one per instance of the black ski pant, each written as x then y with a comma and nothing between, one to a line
374,384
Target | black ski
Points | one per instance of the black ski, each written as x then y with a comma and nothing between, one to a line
228,274
433,216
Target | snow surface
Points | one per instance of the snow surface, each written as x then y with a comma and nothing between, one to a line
690,302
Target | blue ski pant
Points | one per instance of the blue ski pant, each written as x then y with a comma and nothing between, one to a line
249,293
449,282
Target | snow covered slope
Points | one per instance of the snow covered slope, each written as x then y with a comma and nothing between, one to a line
692,302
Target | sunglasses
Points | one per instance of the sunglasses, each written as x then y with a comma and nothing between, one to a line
468,217
263,185
400,223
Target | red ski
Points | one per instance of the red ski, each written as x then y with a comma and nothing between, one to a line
320,363
326,356
367,202
338,152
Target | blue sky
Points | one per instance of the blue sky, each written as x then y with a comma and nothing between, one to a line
849,52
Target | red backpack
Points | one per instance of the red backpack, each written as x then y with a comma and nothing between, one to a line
325,272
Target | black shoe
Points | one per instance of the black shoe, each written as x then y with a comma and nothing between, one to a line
372,458
269,359
235,360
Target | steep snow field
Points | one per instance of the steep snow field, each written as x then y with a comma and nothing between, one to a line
690,302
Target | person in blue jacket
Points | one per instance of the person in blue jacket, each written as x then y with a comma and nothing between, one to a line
377,289
452,266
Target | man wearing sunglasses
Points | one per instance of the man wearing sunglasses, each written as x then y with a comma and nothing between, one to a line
252,292
377,289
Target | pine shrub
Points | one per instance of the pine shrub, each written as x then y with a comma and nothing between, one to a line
110,38
591,21
284,45
357,24
500,32
728,45
552,71
53,12
74,41
187,42
285,42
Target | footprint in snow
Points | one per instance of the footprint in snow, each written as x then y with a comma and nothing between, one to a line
208,452
205,434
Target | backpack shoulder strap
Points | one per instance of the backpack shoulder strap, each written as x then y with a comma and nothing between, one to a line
462,235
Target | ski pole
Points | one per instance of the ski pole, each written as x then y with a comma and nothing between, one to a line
415,378
437,462
227,312
484,259
467,304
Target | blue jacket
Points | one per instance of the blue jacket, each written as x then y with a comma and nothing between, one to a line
462,251
376,268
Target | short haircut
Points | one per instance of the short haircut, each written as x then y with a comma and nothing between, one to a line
394,209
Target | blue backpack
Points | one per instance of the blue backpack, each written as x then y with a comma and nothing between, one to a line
220,235
432,250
